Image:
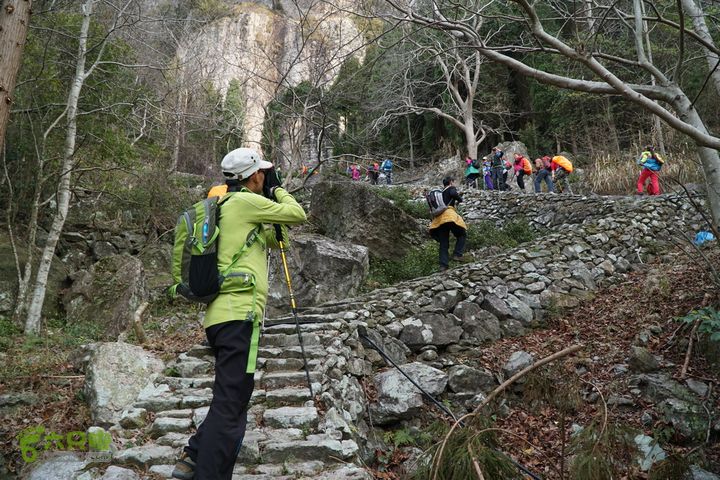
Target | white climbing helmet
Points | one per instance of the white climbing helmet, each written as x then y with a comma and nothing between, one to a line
242,162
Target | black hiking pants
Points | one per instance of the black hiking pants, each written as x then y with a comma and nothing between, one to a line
442,235
216,444
521,179
498,181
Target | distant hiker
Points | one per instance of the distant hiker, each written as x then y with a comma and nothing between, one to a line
543,171
386,167
472,172
487,173
496,168
232,320
373,172
522,168
651,164
507,168
449,221
561,168
355,172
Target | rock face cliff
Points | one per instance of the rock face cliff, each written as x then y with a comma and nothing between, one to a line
266,46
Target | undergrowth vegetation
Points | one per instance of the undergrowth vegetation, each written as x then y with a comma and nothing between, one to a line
33,355
402,199
617,174
423,260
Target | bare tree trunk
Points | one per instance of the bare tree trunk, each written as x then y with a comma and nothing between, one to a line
694,10
658,137
21,303
177,140
709,157
410,143
14,21
470,140
589,16
612,128
32,323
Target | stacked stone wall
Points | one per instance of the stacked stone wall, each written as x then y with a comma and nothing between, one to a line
586,242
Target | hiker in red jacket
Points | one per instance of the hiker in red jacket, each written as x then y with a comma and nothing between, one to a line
522,167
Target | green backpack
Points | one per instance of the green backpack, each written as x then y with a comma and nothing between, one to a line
195,252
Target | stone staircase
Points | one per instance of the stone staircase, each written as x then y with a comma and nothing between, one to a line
287,437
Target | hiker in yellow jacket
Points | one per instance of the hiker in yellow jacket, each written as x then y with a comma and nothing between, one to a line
449,221
232,320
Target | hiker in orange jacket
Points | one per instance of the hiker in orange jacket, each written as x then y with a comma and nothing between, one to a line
522,167
561,168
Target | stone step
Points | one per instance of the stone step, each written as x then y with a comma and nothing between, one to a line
186,382
280,364
146,455
315,447
342,472
294,469
288,340
268,352
291,417
276,380
164,425
191,366
288,396
290,329
311,470
201,351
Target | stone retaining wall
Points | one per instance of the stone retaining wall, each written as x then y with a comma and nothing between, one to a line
591,241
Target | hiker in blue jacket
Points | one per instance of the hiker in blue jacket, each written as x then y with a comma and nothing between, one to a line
497,169
386,167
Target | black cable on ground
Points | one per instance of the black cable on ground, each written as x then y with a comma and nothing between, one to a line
362,332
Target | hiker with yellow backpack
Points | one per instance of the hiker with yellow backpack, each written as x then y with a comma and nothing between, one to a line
254,201
445,220
651,164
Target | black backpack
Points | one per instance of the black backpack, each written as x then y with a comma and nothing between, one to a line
436,202
195,252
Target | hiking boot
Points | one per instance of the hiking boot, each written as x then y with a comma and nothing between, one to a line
443,268
184,468
462,258
639,194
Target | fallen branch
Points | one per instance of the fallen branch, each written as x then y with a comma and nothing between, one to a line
708,396
136,325
688,354
476,465
494,394
522,373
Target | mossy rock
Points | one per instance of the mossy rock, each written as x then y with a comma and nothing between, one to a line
107,294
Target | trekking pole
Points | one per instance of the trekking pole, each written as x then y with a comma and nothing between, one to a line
293,307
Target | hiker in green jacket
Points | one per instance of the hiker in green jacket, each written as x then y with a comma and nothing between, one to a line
232,320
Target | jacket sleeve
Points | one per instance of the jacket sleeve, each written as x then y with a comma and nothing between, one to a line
270,235
455,195
285,210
